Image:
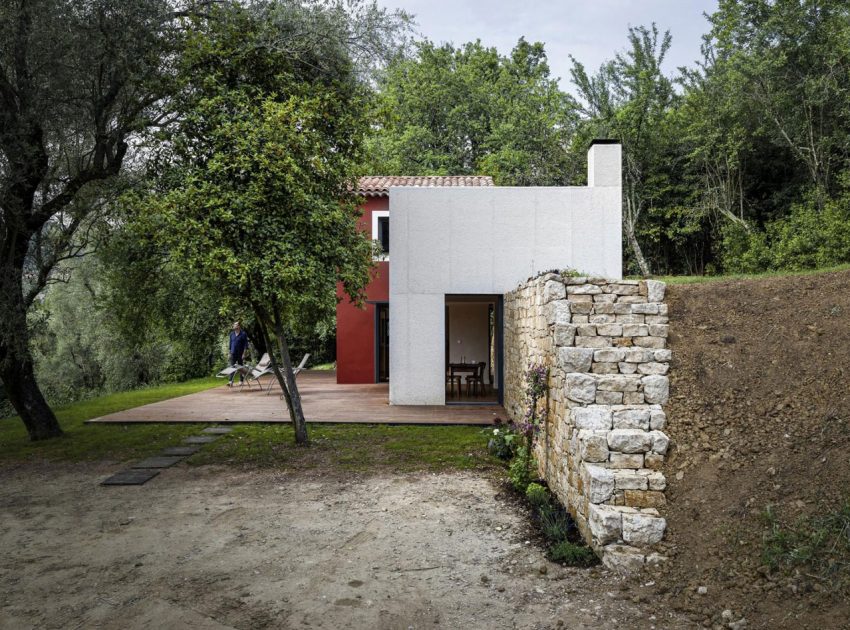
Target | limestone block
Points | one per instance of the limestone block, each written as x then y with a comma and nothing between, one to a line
601,318
663,309
645,309
623,559
657,319
554,290
579,319
581,387
593,342
622,342
623,289
609,355
644,498
629,441
627,479
639,355
656,481
604,298
655,290
609,330
609,398
663,355
558,312
660,442
654,368
593,446
580,308
656,388
575,359
625,460
635,330
659,330
598,483
606,524
632,419
583,289
586,330
594,418
657,420
564,335
621,308
633,398
618,382
650,342
632,299
627,368
630,319
643,529
604,308
605,368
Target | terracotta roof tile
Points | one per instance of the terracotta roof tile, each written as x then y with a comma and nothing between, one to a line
379,185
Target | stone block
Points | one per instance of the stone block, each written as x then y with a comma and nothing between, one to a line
559,312
581,308
629,441
580,387
657,420
656,481
592,342
605,368
606,524
592,418
604,298
639,355
586,330
554,290
659,330
598,483
632,419
663,355
627,479
604,308
653,461
564,334
575,359
623,559
633,398
627,368
645,309
621,308
593,446
618,382
630,319
573,280
583,289
643,529
660,442
623,289
655,290
635,330
654,368
601,318
657,319
656,388
644,498
632,299
650,342
609,355
609,330
625,460
609,398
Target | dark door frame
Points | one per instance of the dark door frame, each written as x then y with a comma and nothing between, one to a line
378,307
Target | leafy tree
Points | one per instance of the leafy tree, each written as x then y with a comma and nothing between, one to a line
77,80
469,110
255,179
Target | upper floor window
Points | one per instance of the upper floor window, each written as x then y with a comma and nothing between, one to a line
381,232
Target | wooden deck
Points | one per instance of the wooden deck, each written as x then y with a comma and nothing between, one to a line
323,400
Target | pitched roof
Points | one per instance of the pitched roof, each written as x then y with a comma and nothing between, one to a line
379,185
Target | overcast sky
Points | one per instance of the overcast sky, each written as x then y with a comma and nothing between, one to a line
590,30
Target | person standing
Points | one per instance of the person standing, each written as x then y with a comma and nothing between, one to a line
238,346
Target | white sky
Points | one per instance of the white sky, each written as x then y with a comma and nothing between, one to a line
591,30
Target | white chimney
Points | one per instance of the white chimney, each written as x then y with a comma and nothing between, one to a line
605,163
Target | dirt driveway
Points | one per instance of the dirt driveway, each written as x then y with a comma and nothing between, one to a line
208,547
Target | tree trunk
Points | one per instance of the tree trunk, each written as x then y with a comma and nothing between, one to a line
291,391
636,250
25,396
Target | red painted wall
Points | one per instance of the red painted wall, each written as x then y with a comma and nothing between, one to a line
355,327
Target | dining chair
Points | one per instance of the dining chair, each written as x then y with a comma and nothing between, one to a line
475,381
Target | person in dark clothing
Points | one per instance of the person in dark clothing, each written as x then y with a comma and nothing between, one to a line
238,346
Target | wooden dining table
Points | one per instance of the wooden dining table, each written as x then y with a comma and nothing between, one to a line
460,368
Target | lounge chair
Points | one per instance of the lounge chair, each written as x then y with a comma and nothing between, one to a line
264,367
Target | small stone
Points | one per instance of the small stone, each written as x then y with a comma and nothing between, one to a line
594,418
622,559
605,523
657,420
554,290
655,290
632,419
653,368
643,529
575,359
650,342
564,334
656,389
660,442
559,312
581,387
702,590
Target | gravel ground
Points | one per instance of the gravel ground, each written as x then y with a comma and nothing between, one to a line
209,547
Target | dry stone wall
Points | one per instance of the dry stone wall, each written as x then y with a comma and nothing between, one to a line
603,445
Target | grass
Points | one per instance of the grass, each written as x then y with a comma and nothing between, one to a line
344,447
87,442
323,366
818,545
747,276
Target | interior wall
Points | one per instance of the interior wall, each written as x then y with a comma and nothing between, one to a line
468,331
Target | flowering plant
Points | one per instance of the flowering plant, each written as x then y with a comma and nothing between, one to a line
536,387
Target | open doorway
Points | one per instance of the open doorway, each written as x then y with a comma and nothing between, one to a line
382,342
473,350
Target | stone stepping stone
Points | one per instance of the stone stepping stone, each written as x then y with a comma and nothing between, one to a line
185,451
200,439
217,430
159,461
132,477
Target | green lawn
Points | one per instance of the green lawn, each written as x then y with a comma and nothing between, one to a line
746,276
344,447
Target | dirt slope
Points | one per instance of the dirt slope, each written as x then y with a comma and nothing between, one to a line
759,415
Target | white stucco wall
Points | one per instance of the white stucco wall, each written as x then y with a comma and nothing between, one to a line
486,241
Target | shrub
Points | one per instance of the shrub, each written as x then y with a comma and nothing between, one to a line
503,442
520,469
537,495
572,554
555,523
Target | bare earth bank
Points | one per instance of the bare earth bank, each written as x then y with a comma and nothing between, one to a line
212,547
